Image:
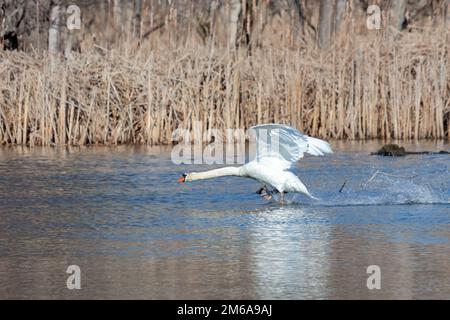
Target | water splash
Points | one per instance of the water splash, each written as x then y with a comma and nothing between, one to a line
380,189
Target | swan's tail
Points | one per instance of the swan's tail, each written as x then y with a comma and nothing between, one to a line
301,188
312,197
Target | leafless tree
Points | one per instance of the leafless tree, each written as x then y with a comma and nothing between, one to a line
71,39
339,14
56,28
25,23
104,11
302,24
397,18
325,23
119,16
447,13
137,18
12,14
235,8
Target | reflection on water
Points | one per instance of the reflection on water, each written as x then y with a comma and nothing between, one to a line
119,214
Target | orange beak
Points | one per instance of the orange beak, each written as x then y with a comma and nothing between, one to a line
181,179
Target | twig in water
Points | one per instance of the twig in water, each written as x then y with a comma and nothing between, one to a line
343,185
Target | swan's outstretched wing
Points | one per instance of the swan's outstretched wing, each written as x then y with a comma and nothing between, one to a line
283,146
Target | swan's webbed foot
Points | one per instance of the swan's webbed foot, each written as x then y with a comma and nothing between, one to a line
262,189
267,196
266,192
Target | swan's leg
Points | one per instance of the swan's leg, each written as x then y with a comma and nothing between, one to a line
266,193
261,189
281,197
267,196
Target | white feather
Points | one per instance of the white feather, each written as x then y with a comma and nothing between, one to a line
286,144
278,148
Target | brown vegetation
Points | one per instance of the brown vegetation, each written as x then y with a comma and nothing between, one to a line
370,84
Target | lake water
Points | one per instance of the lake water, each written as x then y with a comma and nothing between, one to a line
120,215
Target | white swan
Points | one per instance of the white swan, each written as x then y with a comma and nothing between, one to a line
278,148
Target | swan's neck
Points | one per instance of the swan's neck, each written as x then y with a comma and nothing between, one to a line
227,171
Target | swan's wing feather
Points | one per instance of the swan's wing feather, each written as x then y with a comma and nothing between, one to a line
274,162
317,147
284,145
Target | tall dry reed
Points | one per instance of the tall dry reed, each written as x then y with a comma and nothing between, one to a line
361,89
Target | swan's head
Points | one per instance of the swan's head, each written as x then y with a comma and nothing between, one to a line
185,177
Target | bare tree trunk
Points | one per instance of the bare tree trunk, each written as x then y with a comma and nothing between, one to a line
69,43
119,14
213,8
447,18
325,23
54,32
104,12
137,18
257,19
73,24
398,14
339,14
303,25
12,15
38,26
300,22
235,11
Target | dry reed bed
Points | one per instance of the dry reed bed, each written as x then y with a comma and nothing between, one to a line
361,90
